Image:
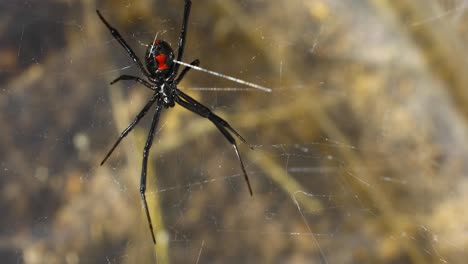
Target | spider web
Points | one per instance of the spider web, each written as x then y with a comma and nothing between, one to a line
359,151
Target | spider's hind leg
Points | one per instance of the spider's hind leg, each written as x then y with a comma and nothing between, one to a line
204,111
127,130
222,126
132,78
185,70
183,35
124,44
146,150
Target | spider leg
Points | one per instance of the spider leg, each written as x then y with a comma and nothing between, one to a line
130,127
185,70
220,124
124,44
207,111
132,78
183,34
149,142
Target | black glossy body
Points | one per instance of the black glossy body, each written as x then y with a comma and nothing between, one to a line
159,60
161,73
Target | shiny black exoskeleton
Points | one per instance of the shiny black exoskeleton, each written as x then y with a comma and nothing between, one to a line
161,72
159,59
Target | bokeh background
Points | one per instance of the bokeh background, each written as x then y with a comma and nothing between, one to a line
360,151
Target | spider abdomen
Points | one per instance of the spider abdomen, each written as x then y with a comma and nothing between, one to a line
159,59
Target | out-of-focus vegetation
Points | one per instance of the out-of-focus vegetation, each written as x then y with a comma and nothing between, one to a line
360,150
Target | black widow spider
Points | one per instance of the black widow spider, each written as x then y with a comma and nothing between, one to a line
161,72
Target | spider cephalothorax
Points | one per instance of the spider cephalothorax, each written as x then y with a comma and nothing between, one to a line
159,59
161,72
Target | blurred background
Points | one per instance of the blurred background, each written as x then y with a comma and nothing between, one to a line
360,152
